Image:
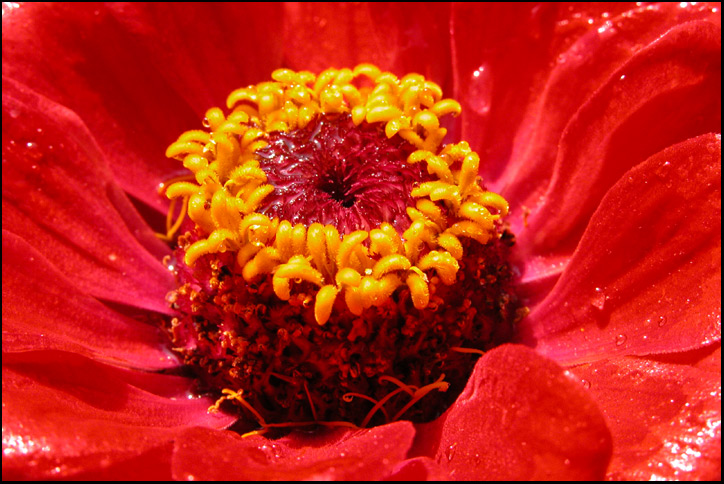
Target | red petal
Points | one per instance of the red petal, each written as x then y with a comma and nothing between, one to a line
520,417
204,51
646,277
560,60
64,414
418,469
665,418
59,196
151,465
395,37
42,309
667,92
139,75
321,455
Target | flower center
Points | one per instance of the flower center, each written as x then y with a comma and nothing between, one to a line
334,172
340,266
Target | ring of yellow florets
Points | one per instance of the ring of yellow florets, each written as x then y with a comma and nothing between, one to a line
365,266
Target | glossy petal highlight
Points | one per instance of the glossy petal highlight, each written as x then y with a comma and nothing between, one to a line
665,417
46,393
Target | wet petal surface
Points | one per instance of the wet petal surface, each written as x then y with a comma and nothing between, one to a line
59,196
520,417
43,309
665,417
646,277
333,454
115,415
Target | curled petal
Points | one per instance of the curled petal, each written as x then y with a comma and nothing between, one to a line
119,95
46,393
665,417
42,309
520,417
60,197
331,454
666,93
646,277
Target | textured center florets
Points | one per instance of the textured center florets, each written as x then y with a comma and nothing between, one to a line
334,172
340,266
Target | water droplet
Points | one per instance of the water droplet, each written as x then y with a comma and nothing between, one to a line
620,339
9,7
663,170
586,384
599,299
606,27
623,76
322,22
450,452
206,123
480,90
662,321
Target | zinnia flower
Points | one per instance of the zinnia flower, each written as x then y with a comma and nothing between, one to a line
600,124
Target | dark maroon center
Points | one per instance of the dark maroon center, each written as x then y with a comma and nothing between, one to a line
334,172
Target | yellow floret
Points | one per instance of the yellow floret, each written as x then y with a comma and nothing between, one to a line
226,187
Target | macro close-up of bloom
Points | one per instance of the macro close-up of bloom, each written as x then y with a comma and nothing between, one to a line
300,241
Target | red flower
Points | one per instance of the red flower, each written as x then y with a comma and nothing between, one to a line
599,123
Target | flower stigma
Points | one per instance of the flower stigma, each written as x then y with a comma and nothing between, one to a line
337,264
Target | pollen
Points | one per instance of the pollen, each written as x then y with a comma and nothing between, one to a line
323,214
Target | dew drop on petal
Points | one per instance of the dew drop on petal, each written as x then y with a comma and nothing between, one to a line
620,339
663,170
9,7
662,321
480,90
599,299
450,451
586,384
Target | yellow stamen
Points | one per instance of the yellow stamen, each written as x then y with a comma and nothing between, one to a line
226,187
421,392
228,394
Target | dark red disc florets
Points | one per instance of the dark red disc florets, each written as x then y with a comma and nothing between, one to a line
366,369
